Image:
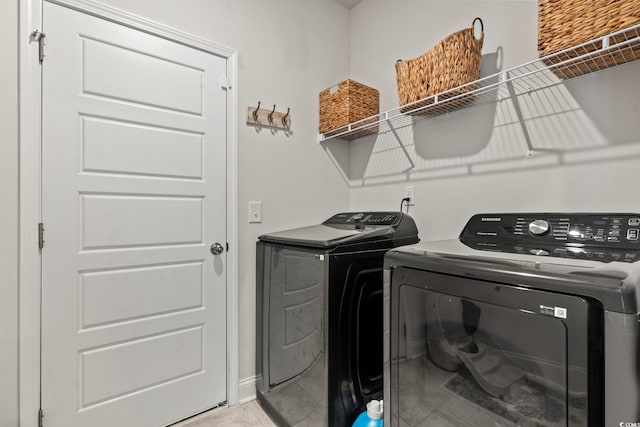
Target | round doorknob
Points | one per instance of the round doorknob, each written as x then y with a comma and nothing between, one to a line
217,248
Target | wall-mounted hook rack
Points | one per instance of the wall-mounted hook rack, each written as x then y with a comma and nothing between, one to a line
271,118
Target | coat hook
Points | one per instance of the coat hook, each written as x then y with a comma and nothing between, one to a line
270,115
285,117
255,112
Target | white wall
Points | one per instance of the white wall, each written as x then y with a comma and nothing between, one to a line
9,214
476,160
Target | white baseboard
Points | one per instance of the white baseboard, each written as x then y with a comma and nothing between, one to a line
247,390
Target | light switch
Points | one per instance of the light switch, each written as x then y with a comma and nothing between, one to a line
255,212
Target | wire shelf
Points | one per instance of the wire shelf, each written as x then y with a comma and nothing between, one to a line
604,52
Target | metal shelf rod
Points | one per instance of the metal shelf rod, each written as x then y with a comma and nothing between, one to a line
406,153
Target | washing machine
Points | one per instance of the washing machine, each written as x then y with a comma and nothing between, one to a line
525,319
319,316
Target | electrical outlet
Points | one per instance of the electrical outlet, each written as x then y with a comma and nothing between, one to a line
409,191
255,212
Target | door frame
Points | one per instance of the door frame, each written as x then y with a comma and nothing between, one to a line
30,273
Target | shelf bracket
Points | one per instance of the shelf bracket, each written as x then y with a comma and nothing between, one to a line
518,110
395,134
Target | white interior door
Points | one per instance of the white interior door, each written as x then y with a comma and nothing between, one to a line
134,194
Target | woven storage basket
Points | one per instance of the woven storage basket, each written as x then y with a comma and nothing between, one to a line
563,24
351,102
453,62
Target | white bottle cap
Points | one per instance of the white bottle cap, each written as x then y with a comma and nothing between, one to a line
374,409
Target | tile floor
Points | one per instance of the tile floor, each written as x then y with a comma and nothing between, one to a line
246,415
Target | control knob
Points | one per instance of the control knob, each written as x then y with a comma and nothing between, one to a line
357,219
539,227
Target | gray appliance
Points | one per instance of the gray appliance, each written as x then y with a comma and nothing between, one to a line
525,319
319,316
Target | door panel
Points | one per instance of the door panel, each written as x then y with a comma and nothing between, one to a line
122,368
120,72
117,295
120,221
134,193
118,147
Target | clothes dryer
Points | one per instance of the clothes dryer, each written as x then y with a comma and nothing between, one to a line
319,316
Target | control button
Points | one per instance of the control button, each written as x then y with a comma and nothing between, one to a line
540,252
576,234
616,221
633,233
615,232
539,227
634,222
599,238
614,238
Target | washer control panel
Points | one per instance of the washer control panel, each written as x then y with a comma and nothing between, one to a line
609,230
614,229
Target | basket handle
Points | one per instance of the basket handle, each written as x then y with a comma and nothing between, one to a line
473,25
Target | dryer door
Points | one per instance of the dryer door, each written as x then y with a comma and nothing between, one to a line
466,352
296,308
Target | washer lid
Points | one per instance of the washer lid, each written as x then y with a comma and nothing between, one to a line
348,228
615,284
323,236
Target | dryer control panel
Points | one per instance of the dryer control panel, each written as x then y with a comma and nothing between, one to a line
365,218
614,230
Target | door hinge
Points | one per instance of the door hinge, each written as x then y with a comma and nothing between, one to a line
227,246
40,235
40,418
225,83
39,36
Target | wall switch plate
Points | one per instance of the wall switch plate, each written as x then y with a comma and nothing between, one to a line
409,191
255,212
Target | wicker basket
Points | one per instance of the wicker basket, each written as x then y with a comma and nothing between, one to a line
350,102
453,62
563,24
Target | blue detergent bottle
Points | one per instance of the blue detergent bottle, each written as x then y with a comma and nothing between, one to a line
372,417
